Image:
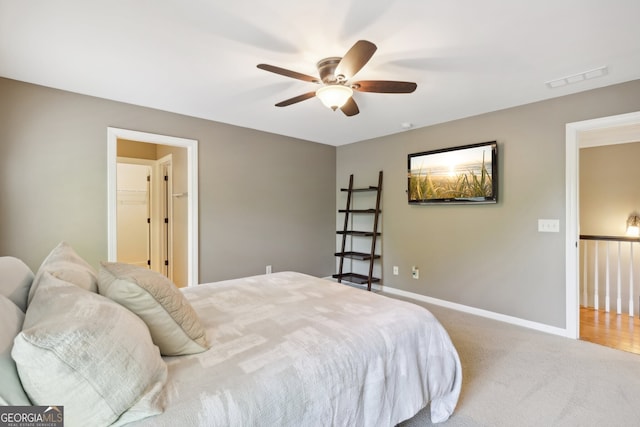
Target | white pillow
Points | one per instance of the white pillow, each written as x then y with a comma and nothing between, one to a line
83,351
11,318
15,280
65,264
173,323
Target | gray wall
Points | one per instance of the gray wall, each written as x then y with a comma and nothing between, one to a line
267,199
264,199
485,256
609,177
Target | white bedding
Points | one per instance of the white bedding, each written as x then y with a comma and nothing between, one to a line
289,349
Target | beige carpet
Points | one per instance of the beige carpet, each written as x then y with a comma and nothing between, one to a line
514,376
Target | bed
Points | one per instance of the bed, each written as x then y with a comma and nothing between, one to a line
284,349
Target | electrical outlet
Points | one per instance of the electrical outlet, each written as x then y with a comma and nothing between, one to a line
415,273
395,270
268,269
549,225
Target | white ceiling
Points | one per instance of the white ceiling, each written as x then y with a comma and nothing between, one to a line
199,57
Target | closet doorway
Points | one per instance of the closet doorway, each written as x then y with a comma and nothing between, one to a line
152,201
145,213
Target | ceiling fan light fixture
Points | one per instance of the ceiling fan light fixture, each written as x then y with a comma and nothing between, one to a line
336,87
334,96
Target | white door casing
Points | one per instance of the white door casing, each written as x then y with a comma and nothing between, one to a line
572,178
113,134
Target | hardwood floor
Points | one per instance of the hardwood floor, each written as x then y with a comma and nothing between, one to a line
619,331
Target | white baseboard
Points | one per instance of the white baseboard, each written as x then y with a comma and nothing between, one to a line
479,312
464,308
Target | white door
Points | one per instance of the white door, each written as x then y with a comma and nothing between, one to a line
133,211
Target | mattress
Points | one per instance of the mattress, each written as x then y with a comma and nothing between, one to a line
289,349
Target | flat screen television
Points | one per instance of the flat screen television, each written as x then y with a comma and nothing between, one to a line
464,174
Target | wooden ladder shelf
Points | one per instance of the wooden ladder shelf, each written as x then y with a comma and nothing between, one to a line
373,234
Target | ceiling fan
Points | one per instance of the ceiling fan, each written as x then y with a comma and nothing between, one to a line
335,74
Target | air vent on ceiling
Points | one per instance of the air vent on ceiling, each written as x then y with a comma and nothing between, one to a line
578,77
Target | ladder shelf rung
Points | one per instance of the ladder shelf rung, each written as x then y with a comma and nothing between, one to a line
360,279
368,211
359,190
358,233
362,256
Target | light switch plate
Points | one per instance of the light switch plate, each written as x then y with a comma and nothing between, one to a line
549,225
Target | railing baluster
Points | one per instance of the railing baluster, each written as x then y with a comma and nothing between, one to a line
631,310
619,287
607,297
585,282
607,263
596,292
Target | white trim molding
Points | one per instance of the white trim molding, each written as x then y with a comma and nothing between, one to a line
476,311
113,134
572,175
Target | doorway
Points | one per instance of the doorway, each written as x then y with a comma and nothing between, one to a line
181,200
146,220
575,139
134,213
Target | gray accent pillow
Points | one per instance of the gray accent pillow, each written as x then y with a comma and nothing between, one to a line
82,350
11,318
174,325
65,264
15,280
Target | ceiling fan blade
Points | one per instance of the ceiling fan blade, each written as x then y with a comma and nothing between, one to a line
295,99
384,86
288,73
355,59
350,108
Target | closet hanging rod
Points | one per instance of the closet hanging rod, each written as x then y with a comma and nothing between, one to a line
127,190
